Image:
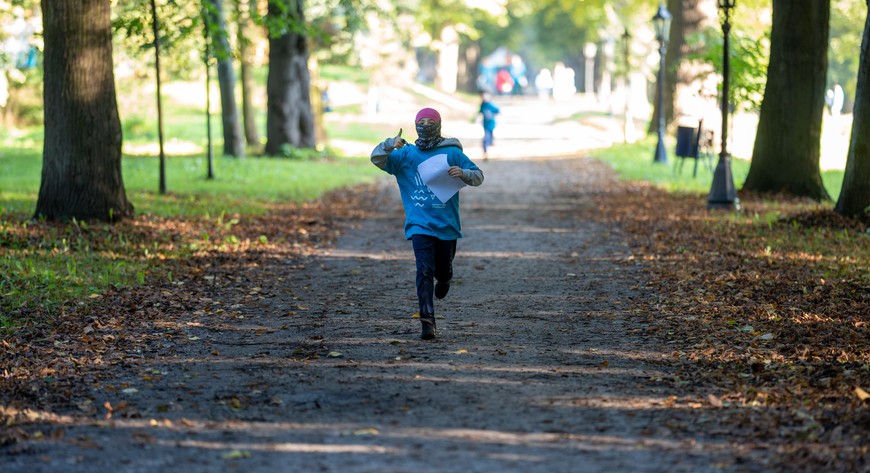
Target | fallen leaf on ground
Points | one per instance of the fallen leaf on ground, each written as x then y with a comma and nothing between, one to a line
236,455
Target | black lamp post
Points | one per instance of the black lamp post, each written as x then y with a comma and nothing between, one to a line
662,23
626,48
723,195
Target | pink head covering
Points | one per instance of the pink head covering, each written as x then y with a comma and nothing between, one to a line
428,113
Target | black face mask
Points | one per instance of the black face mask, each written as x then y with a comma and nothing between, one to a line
429,136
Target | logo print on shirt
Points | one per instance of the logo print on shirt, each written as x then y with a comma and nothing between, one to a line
422,193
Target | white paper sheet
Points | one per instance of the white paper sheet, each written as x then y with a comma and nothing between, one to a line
433,172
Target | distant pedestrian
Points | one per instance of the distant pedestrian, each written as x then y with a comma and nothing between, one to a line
488,110
544,84
432,225
504,82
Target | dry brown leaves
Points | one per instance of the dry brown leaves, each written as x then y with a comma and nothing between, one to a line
45,365
768,311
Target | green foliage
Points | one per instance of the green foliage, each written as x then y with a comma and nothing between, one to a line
180,29
847,25
748,62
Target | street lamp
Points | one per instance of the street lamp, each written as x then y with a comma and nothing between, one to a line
662,23
723,195
628,131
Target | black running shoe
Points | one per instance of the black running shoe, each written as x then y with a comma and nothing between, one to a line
441,289
428,332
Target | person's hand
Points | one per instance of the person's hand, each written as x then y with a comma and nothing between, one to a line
455,171
398,141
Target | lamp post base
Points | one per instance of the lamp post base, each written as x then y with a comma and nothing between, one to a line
661,155
723,195
725,205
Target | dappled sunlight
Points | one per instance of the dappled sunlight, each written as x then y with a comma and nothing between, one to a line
523,255
283,447
170,148
524,229
337,438
381,256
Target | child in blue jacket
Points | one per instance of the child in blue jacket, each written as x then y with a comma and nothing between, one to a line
489,111
432,226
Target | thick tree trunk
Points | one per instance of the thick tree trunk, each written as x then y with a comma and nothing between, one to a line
854,199
81,170
233,144
252,135
788,142
289,119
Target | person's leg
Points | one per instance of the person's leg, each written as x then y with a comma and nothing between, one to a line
445,251
424,253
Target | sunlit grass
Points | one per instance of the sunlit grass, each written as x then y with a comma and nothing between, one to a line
43,267
634,162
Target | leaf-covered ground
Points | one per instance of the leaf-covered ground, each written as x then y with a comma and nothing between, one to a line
764,313
768,312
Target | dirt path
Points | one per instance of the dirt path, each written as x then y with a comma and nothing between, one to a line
317,366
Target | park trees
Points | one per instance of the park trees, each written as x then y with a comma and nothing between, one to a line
854,199
81,173
289,116
233,142
688,18
245,9
787,147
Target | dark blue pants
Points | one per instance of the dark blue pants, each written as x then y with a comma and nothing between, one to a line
434,261
487,139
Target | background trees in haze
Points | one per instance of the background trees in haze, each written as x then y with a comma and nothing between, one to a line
232,132
542,32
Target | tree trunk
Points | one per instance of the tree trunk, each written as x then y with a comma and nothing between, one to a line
673,57
788,142
81,170
233,144
854,200
289,119
252,135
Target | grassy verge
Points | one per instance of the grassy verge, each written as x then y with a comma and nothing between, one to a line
45,267
633,162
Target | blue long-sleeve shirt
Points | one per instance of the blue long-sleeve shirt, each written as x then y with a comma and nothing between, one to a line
424,213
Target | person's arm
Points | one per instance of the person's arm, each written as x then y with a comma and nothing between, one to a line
467,171
472,177
382,151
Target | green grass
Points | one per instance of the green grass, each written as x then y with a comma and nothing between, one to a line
634,162
240,185
43,267
61,264
334,72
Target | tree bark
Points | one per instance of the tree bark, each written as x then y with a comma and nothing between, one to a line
233,144
854,200
289,119
788,142
249,117
81,170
